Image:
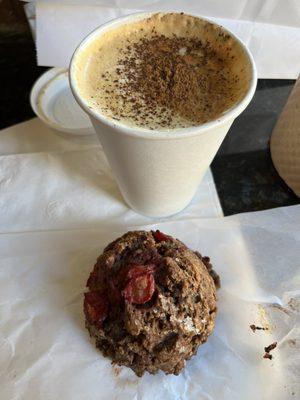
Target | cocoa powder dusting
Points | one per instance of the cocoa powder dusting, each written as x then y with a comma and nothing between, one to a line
161,78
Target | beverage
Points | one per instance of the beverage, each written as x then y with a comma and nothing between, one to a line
167,71
161,90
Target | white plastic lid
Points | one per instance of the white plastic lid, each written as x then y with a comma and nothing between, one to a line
53,102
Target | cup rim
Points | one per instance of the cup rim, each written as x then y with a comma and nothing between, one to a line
227,117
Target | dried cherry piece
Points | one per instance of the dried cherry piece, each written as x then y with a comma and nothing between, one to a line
140,289
160,236
95,307
137,270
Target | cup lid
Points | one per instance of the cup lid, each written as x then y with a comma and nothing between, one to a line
53,102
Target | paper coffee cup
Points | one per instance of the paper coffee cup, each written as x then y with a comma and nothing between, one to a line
158,172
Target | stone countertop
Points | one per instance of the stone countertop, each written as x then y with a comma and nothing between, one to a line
244,174
245,177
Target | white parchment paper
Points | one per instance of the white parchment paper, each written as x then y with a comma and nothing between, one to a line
260,24
46,352
53,182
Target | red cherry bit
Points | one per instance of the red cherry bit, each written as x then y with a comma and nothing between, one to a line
140,289
160,236
137,270
95,307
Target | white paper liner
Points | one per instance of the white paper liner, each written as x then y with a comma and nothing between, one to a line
46,352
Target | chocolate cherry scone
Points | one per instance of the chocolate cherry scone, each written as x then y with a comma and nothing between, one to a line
151,302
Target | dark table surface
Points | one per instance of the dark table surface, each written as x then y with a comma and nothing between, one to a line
245,177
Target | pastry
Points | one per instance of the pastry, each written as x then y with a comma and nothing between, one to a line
151,302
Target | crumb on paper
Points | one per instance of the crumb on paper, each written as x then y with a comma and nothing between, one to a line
267,355
271,347
254,328
268,349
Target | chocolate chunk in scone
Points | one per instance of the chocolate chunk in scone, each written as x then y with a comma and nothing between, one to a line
151,302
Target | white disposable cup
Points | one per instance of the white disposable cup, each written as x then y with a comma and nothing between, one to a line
158,172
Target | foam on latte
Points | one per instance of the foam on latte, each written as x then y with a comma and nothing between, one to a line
168,71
